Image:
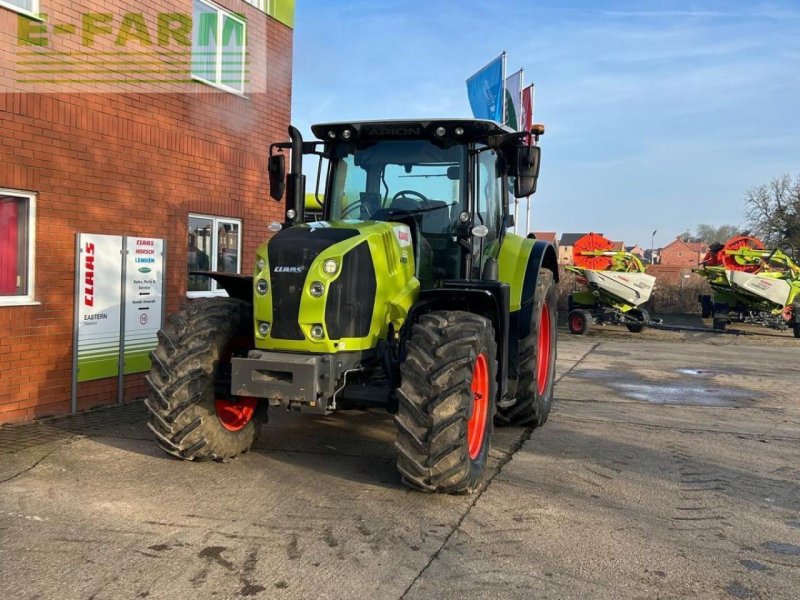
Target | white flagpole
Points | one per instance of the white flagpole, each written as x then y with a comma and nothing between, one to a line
503,88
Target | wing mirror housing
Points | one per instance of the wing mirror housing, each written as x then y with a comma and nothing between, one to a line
526,170
277,176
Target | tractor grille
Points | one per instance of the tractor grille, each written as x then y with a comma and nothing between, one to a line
351,298
291,253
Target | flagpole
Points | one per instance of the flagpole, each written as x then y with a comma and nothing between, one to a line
519,116
503,88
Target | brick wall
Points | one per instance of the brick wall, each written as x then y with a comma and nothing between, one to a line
126,163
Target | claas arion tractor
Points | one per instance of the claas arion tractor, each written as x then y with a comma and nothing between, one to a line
751,284
409,294
616,286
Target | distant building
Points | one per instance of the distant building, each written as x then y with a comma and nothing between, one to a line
637,250
680,253
547,236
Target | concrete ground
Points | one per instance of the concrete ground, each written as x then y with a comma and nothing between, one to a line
669,468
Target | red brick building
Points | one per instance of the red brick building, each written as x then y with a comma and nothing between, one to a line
680,253
147,119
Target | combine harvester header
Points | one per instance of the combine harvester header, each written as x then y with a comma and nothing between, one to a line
617,286
751,284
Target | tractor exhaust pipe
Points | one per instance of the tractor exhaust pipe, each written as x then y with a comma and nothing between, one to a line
296,182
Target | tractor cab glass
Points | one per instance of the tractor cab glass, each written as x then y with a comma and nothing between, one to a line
408,180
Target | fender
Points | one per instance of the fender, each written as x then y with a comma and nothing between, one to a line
520,262
489,299
237,286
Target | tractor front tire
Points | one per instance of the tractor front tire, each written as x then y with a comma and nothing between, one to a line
446,402
192,413
537,360
796,313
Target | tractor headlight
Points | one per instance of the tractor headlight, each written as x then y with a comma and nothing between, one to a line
263,328
440,131
316,289
291,214
330,266
260,264
262,286
317,332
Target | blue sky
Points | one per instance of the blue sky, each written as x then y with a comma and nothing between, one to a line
659,115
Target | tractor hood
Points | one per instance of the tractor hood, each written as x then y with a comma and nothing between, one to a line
330,286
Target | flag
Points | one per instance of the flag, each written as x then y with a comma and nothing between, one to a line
513,100
527,110
485,91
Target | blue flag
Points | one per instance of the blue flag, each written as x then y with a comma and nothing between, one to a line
485,91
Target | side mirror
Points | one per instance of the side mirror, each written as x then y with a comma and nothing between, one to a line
526,170
277,176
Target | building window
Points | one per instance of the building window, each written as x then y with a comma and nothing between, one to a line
262,4
215,244
26,7
218,47
17,233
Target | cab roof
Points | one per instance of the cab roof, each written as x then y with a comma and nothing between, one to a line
467,130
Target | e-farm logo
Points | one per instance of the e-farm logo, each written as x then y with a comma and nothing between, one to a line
105,50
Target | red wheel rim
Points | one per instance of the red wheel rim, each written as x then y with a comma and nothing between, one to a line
543,350
234,416
577,324
476,426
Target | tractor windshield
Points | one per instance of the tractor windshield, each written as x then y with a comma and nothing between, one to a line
407,179
415,176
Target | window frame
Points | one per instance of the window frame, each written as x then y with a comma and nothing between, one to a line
262,5
29,298
34,14
221,14
215,222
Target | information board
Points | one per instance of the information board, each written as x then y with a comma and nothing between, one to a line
99,299
144,299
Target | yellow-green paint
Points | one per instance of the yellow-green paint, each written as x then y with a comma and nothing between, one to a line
512,263
397,290
281,10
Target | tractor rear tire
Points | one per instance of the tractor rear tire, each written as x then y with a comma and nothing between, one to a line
192,413
641,317
578,322
796,313
537,360
446,402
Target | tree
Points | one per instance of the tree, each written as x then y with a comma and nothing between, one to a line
773,212
710,234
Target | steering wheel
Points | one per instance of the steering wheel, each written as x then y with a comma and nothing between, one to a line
404,194
353,206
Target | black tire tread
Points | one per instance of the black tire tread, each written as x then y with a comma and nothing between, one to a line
529,408
181,381
434,397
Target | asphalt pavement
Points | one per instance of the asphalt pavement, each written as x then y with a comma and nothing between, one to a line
669,468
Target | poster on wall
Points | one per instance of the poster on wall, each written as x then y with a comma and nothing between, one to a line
99,298
144,285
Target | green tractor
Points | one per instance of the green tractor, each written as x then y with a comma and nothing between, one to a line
410,295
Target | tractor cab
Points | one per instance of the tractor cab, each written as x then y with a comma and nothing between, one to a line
449,181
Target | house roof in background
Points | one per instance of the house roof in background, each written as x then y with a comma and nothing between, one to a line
548,236
569,239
